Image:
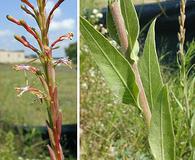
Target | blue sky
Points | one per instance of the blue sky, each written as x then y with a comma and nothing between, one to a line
64,21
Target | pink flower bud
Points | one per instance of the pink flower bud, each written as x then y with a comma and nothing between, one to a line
28,28
25,42
52,11
28,4
12,19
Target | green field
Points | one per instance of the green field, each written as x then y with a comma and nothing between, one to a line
26,109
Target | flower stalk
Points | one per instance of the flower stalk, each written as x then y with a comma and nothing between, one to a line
47,77
182,57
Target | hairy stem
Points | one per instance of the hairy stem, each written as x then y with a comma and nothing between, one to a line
121,29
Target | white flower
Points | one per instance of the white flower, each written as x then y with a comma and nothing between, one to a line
104,31
95,11
92,16
99,15
92,72
84,86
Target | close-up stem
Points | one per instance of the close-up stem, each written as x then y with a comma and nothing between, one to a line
120,26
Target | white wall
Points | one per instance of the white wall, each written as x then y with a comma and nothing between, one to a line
12,57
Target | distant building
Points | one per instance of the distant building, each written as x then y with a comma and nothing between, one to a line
12,56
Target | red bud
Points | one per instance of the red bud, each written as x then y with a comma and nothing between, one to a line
12,19
51,153
28,4
59,124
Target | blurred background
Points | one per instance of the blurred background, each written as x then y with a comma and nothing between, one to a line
22,119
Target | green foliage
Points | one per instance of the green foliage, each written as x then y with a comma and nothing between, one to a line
119,77
7,147
149,68
190,54
161,137
86,4
71,52
132,26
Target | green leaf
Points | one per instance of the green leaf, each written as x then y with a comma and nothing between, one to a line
114,67
111,27
193,132
132,26
149,68
161,137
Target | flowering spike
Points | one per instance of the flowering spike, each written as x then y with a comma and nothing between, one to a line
48,78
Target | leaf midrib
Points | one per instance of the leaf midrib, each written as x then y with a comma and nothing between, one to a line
161,126
149,73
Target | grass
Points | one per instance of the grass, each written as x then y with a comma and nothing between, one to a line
26,109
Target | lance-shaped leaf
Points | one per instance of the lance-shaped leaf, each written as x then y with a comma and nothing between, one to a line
161,137
132,26
149,68
114,67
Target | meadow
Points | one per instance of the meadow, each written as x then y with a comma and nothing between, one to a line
26,109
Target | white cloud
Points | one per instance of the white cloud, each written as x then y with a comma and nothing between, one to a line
66,24
5,33
50,5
